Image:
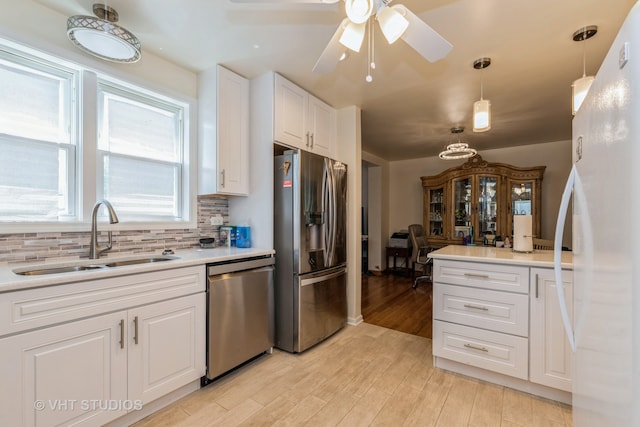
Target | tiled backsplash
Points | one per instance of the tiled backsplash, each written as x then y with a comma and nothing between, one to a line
34,247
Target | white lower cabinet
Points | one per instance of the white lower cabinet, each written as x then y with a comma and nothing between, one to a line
488,323
550,354
95,369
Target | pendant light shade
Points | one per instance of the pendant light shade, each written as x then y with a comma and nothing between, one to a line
358,11
100,36
481,108
580,87
392,23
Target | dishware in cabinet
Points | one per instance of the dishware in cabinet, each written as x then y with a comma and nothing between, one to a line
434,204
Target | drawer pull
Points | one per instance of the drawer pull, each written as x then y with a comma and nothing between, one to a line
476,307
477,276
476,348
121,333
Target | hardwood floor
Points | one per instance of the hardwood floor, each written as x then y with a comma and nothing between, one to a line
363,375
391,302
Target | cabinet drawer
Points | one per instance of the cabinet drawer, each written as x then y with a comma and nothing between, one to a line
494,351
481,308
482,275
38,307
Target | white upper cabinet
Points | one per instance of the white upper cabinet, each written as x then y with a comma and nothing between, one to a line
223,132
302,120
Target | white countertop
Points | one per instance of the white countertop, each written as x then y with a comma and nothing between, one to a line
10,281
537,258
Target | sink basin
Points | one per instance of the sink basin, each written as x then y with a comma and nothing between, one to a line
54,270
135,261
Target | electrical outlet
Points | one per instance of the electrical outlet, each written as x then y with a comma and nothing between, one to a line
217,220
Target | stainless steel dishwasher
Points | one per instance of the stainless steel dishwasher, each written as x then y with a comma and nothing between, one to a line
240,314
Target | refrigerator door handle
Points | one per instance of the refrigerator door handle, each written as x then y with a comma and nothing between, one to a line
557,256
326,275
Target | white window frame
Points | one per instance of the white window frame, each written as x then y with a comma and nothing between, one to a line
84,128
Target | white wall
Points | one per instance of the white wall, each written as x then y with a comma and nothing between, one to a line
349,151
405,199
378,209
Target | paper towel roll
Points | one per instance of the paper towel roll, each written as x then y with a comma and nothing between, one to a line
522,239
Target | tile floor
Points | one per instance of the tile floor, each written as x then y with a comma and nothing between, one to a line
362,376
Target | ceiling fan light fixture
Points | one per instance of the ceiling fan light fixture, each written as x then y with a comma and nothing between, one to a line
358,11
392,23
100,36
580,87
353,36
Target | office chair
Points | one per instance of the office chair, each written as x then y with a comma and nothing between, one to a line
420,251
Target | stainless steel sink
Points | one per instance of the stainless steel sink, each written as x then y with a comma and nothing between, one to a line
135,261
54,270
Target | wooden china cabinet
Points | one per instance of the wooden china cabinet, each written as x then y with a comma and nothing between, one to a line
481,195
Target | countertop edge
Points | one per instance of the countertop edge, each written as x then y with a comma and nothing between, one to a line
538,258
11,282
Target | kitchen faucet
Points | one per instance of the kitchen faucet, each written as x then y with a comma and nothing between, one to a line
96,250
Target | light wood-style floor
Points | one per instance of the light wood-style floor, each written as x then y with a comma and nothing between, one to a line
363,375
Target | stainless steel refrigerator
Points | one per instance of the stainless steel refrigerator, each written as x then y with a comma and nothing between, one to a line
310,198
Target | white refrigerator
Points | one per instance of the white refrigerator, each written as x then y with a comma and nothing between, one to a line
604,327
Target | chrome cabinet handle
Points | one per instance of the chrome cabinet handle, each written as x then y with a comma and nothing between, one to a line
135,330
311,141
122,333
478,276
223,176
536,286
307,139
473,347
477,307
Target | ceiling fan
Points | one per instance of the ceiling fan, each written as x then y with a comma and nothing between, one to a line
395,22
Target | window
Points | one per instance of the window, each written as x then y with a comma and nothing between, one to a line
37,142
70,136
140,153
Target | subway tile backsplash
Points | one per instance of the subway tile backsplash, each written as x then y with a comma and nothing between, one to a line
35,247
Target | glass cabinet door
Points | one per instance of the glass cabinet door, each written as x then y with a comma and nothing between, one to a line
520,196
462,207
436,204
487,206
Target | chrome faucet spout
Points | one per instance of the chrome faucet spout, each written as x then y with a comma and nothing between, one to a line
95,250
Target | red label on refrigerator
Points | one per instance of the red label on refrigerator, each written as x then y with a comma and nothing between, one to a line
286,183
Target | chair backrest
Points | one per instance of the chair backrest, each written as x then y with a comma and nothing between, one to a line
543,244
418,239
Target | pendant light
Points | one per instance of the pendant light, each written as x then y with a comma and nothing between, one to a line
481,108
457,150
580,87
100,36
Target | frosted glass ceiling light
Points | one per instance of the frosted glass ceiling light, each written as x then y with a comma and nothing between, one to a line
580,87
392,23
100,36
482,108
353,36
457,150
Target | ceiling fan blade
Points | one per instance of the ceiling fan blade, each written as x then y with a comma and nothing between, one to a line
333,52
424,39
286,1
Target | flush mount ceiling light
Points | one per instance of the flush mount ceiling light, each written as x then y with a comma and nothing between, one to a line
580,87
100,36
457,150
482,108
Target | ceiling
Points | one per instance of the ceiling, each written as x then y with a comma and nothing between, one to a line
409,107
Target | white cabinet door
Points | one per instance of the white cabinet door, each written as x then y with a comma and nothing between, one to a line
166,346
322,127
233,133
223,132
291,107
550,355
65,374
